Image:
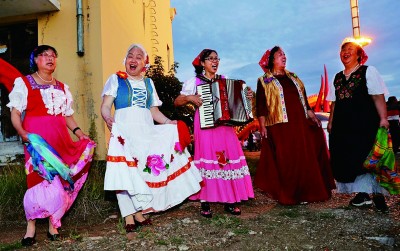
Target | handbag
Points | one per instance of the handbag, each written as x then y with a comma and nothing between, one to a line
381,162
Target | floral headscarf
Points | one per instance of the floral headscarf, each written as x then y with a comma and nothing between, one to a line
264,60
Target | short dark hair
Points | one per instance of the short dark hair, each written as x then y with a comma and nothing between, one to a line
38,50
205,53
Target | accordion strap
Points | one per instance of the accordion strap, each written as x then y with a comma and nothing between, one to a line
203,78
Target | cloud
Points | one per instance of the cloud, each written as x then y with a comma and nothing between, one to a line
310,32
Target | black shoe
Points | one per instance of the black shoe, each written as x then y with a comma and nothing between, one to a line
28,241
232,209
380,203
205,210
53,237
360,200
146,222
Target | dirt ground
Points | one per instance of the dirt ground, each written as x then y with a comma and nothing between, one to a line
263,225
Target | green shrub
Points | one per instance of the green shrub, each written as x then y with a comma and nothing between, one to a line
90,201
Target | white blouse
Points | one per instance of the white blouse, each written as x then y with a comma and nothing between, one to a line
375,84
138,86
189,87
55,100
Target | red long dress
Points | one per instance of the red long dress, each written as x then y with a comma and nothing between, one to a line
294,162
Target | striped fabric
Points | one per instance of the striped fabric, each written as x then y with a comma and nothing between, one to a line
382,163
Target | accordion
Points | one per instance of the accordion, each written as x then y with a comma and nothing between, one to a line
224,103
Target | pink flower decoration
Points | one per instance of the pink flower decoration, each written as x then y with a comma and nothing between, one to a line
155,164
178,147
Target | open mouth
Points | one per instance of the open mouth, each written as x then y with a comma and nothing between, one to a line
133,67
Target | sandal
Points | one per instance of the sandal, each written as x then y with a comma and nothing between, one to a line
129,228
232,209
205,210
146,222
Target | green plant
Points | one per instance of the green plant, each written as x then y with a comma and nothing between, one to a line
225,221
238,231
326,215
12,190
146,234
10,246
175,240
162,242
75,235
290,212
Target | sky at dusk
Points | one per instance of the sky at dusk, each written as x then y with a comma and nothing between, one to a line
309,31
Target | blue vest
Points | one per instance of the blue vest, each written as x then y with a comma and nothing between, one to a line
125,94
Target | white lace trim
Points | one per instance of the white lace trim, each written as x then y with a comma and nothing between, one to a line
56,101
225,174
208,161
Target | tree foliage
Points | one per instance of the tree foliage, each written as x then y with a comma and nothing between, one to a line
168,88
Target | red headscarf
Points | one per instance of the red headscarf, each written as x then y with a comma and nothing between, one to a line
264,60
197,60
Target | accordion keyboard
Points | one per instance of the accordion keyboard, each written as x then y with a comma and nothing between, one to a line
206,110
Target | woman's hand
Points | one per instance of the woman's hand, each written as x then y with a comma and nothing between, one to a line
172,122
314,118
196,100
24,136
109,121
105,110
263,132
384,123
82,136
329,127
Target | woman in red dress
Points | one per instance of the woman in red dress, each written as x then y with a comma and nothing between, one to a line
47,107
294,162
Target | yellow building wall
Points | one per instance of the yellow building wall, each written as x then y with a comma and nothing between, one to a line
158,30
110,27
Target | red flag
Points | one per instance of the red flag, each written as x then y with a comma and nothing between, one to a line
320,94
8,74
327,107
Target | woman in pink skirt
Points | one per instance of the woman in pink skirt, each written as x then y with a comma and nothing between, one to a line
217,152
47,104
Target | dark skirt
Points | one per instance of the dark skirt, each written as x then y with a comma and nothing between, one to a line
294,163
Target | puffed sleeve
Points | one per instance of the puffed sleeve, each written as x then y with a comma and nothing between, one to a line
18,96
331,92
156,99
68,111
375,82
111,86
189,87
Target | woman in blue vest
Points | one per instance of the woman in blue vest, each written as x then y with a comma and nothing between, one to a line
148,165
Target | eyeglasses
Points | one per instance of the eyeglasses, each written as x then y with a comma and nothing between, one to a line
213,59
47,55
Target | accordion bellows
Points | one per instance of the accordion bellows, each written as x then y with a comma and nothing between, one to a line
224,103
